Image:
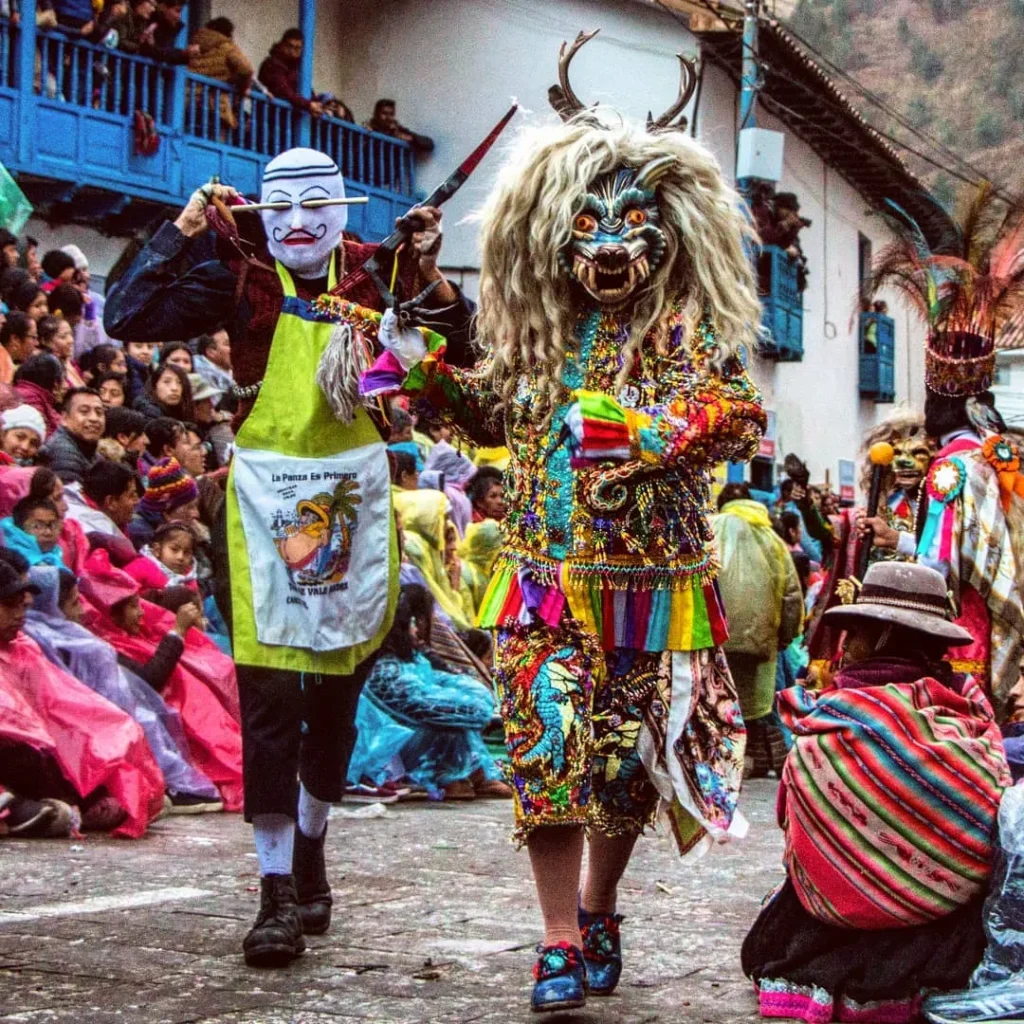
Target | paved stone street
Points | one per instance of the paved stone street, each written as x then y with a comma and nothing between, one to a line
434,921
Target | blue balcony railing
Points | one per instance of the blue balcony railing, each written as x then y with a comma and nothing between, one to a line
67,131
782,307
877,340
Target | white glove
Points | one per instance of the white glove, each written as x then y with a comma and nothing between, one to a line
406,344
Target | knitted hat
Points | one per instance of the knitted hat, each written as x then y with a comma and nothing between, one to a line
168,487
81,263
24,416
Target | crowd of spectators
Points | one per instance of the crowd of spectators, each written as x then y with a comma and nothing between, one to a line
114,457
154,29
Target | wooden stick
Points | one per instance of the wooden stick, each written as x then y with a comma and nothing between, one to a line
308,204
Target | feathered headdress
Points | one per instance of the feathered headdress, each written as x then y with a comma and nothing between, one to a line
969,294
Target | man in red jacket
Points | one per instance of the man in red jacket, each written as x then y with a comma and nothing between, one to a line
280,72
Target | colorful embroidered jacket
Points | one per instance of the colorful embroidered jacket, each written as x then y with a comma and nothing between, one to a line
625,544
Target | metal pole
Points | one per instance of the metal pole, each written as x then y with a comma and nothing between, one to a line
751,71
307,26
26,71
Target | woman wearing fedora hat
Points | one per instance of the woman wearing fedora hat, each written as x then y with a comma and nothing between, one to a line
888,803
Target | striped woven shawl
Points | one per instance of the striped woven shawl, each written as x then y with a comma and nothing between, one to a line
889,801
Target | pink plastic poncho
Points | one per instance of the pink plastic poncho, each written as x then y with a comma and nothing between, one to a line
93,742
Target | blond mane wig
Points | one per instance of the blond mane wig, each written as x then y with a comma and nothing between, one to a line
527,312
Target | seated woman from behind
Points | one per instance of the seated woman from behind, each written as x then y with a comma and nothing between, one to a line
420,722
888,803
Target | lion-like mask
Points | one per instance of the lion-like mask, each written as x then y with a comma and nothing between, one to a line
617,239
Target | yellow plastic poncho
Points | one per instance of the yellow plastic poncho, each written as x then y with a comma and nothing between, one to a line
424,520
762,598
478,551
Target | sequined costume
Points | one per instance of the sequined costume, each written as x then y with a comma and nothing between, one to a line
605,570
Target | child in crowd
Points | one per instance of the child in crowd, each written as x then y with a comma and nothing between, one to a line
139,364
33,529
172,553
171,496
22,432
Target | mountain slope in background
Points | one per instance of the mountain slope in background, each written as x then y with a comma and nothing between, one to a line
954,69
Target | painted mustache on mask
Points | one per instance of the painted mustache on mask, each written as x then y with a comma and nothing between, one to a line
299,236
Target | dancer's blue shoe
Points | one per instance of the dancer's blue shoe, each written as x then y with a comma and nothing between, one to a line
560,979
602,951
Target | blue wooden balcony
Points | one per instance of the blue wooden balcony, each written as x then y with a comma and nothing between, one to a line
877,340
782,306
67,114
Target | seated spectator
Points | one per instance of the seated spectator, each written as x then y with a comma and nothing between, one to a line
89,330
68,302
39,382
214,428
176,353
8,249
166,439
478,551
167,393
401,437
171,495
57,338
74,546
220,57
486,492
425,523
201,685
105,501
385,122
71,449
404,475
173,552
94,755
58,268
19,339
33,530
279,72
888,817
28,259
139,366
54,622
458,473
124,436
22,432
414,713
103,359
213,360
25,296
111,389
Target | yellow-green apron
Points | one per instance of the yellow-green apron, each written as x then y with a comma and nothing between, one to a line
311,540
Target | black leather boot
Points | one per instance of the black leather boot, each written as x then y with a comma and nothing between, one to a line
313,892
275,940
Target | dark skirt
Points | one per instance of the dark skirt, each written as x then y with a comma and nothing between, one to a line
817,972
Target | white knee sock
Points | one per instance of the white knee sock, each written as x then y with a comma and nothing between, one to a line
312,814
275,837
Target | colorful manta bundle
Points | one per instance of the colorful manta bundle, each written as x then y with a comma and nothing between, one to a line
891,794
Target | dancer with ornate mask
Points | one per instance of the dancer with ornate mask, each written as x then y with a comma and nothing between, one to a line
310,537
615,300
971,525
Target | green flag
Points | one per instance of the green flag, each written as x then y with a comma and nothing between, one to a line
15,209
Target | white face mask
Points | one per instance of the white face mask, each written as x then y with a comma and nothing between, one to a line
301,238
